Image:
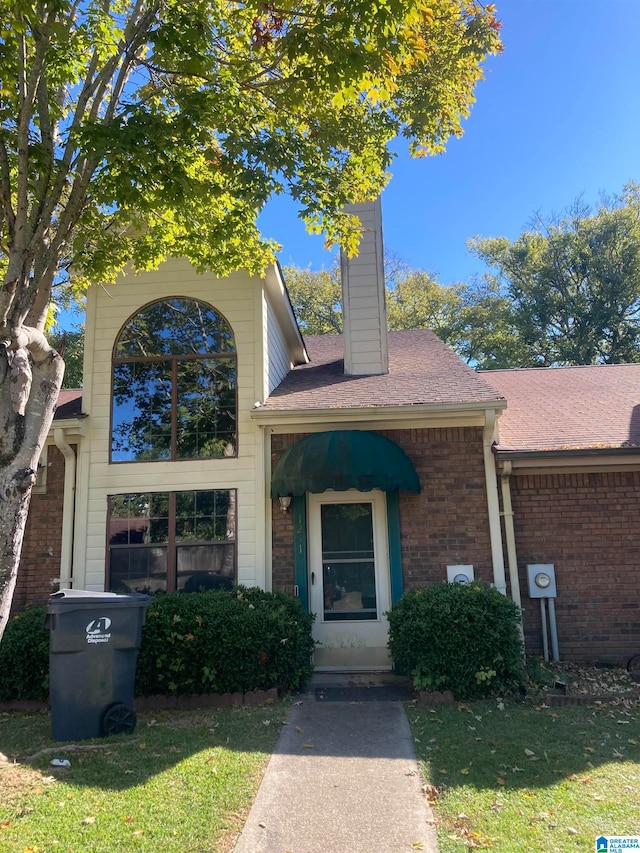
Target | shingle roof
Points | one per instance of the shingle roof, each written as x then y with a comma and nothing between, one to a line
422,370
569,408
69,404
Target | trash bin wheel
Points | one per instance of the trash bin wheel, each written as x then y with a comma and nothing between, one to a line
117,719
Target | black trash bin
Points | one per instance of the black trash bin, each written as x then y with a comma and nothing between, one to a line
94,639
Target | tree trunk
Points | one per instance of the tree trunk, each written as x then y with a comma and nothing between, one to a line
30,378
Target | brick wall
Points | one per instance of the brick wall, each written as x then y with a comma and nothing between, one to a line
588,525
40,561
447,523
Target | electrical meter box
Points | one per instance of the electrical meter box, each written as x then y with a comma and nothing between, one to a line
460,574
542,580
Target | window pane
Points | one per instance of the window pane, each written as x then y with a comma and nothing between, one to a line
206,566
175,327
206,516
141,413
138,519
206,409
139,526
138,569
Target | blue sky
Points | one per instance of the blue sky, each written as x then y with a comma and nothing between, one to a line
557,116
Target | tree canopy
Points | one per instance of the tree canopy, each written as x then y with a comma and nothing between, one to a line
571,285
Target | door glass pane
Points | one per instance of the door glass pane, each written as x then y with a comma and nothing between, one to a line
348,567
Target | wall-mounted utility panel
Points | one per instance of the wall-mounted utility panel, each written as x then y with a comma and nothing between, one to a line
459,574
542,580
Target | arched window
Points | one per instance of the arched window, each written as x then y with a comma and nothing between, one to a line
174,384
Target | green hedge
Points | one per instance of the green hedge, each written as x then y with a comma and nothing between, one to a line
463,638
199,642
224,641
24,657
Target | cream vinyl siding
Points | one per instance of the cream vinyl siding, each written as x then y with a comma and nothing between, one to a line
108,309
277,360
363,298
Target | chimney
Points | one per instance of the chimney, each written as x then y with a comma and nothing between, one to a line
364,312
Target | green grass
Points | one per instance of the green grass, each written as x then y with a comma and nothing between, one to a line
180,784
519,777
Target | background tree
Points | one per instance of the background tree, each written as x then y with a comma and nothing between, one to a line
572,285
135,129
70,345
415,300
316,297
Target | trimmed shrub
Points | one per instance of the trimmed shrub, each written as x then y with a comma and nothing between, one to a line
463,638
222,641
24,657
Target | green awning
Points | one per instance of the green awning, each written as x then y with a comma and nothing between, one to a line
341,460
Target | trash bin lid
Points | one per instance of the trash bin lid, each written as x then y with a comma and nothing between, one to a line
81,599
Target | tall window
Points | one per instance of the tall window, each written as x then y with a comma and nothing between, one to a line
174,384
172,541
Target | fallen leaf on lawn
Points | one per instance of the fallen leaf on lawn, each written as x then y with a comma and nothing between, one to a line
529,752
517,769
632,741
500,780
309,745
138,832
142,746
128,819
417,845
88,820
442,770
299,729
465,771
589,749
572,831
617,754
5,824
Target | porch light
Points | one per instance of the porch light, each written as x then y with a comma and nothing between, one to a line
285,503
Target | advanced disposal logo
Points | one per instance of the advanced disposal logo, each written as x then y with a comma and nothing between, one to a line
611,843
98,630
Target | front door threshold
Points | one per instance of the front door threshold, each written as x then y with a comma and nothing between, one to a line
346,659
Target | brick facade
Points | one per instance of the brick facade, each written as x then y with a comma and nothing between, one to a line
447,523
588,525
40,560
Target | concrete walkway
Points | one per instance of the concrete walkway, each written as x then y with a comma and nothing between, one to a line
343,779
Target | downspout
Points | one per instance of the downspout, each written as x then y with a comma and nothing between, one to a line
491,480
509,533
510,537
68,508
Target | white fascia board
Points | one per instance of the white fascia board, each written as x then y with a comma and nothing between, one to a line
572,465
402,417
278,297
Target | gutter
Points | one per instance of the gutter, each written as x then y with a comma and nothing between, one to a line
566,453
266,416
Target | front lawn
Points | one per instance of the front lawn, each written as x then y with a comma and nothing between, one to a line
182,783
511,776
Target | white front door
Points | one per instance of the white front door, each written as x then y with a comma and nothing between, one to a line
349,580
